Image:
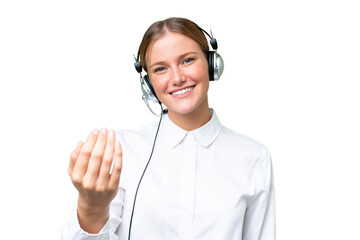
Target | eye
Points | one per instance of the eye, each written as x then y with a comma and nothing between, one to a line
159,69
188,60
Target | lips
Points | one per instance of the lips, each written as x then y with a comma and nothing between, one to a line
182,91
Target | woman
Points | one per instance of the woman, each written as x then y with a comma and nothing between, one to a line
204,181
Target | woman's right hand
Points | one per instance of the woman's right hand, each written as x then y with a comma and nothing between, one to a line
89,170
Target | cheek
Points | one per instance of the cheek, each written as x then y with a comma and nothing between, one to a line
203,77
160,84
200,73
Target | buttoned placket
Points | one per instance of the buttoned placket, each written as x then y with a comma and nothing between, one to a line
187,187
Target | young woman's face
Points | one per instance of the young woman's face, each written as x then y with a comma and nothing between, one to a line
178,70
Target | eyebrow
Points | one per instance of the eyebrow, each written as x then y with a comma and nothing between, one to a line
179,57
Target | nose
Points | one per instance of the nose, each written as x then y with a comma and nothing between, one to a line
178,76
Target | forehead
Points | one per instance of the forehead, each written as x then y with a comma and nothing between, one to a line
171,45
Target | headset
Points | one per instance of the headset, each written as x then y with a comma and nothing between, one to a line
216,68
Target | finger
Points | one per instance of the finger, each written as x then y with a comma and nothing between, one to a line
108,158
79,146
73,157
82,162
115,175
97,156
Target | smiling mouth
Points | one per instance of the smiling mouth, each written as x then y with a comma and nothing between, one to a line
182,91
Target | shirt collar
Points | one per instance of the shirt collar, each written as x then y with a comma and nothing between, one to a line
205,135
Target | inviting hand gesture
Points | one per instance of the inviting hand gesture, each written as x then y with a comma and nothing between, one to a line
90,171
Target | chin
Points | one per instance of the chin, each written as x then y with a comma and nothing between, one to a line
187,109
181,111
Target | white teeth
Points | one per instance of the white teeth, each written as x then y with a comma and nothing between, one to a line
185,90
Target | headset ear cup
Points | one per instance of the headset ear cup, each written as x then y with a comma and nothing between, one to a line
148,89
211,65
148,82
218,66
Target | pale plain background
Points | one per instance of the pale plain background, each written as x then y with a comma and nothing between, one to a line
291,81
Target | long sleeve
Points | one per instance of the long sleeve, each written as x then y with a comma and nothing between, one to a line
259,222
73,231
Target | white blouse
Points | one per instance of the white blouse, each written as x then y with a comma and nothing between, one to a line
209,183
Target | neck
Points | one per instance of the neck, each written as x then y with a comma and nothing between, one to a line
192,120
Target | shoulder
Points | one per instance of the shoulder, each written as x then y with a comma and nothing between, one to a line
249,153
241,142
137,136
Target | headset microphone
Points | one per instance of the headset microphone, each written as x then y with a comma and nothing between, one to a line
147,104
